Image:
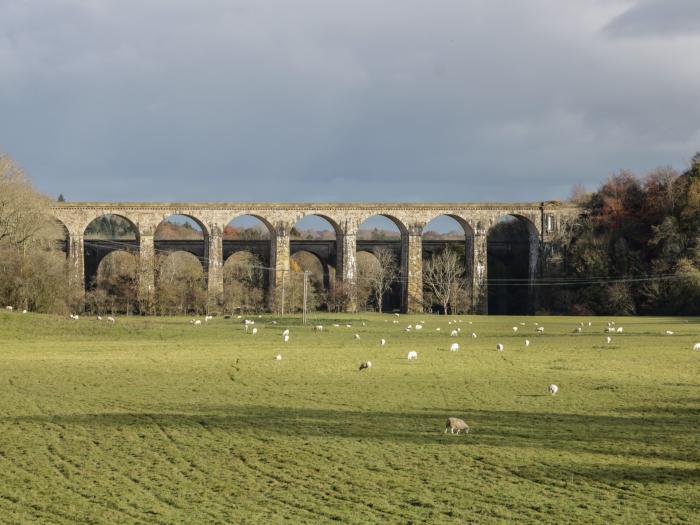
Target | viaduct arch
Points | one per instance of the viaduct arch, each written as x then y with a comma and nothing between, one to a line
545,220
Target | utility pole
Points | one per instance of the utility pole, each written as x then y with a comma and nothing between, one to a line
306,291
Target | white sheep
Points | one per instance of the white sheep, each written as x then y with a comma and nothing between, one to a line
278,357
286,332
515,329
348,326
696,346
9,308
590,324
24,311
273,322
254,331
454,347
382,342
454,423
669,332
409,327
437,329
286,338
454,333
540,329
365,365
395,322
522,324
412,355
419,327
357,336
473,335
99,318
577,330
620,329
111,319
499,347
608,339
527,343
208,318
553,389
197,322
318,328
336,325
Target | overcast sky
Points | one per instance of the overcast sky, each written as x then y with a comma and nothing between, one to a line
274,100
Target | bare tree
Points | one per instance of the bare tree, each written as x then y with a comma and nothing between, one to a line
382,275
443,275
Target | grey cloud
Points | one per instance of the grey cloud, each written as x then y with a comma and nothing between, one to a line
452,100
661,18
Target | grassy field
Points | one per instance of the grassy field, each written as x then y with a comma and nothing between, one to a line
158,421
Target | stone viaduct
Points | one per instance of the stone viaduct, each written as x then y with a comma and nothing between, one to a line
544,220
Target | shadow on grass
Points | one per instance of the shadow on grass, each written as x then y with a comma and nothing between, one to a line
649,435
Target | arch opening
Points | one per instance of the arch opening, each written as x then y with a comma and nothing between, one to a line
181,284
446,247
103,235
385,238
182,233
511,264
244,283
115,285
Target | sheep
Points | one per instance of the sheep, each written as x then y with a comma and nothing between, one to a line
527,343
669,332
9,308
515,329
395,322
590,323
254,331
454,347
473,335
454,423
522,324
409,327
286,332
540,329
696,346
348,326
273,322
111,319
577,330
24,311
318,328
382,342
278,357
454,333
412,355
499,347
208,318
365,365
396,314
75,317
553,389
620,329
99,318
608,339
336,325
363,323
238,316
357,336
286,338
437,329
248,321
419,327
197,322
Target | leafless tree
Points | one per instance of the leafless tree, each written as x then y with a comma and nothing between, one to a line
382,275
443,275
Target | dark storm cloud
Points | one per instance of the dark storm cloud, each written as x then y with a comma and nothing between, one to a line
657,18
316,100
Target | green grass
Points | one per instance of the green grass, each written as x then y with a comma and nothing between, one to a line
157,421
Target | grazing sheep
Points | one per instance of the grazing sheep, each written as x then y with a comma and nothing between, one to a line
336,325
318,328
696,346
111,319
515,329
608,339
407,329
278,357
473,335
499,347
395,322
540,329
522,324
454,423
99,318
197,322
454,333
609,330
254,331
286,332
382,342
412,355
527,343
419,327
620,329
365,365
669,332
271,322
9,308
357,336
208,318
454,347
348,326
286,338
553,389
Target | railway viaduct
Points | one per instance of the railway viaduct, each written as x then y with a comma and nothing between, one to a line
544,220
